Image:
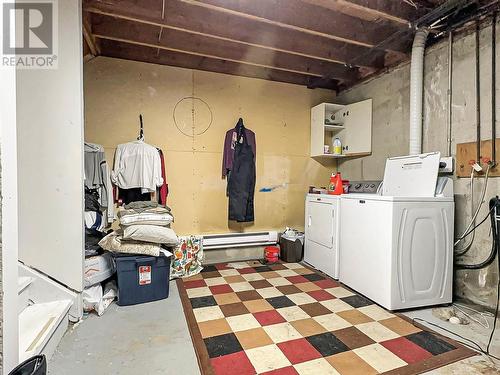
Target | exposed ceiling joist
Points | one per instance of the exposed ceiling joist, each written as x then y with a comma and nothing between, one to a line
318,43
107,27
399,12
310,19
129,51
203,55
89,38
199,21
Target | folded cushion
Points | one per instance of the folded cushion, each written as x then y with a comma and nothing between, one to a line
150,233
146,218
114,242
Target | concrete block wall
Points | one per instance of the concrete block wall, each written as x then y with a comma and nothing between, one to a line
390,93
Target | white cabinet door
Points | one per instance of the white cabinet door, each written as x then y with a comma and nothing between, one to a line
317,129
357,136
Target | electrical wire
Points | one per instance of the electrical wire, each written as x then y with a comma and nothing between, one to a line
476,226
482,313
495,252
481,201
494,204
471,241
410,2
483,324
496,311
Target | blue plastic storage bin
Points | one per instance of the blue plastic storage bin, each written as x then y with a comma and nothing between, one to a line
142,278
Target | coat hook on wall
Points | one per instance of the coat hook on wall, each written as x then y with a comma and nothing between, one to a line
141,129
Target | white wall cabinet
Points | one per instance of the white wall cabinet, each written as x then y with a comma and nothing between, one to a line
351,123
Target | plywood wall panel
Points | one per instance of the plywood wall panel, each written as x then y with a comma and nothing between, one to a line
116,91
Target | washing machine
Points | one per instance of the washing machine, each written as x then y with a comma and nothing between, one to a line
397,246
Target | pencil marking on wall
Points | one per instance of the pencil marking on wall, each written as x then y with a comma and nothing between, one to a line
192,116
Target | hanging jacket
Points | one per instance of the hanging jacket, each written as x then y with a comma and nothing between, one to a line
241,181
137,165
97,176
230,143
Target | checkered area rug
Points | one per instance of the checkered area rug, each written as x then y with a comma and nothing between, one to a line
246,318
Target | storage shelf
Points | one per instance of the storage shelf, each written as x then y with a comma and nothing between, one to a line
334,128
343,156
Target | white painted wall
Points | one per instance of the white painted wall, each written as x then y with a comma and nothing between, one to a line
50,157
9,227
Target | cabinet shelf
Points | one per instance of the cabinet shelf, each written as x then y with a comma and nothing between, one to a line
343,156
334,128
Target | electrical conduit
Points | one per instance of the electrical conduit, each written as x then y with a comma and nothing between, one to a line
416,90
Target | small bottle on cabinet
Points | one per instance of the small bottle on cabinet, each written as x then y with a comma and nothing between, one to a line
337,146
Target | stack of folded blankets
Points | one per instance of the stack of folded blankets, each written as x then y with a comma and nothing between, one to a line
144,229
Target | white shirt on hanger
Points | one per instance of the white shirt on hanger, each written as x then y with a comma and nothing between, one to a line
137,165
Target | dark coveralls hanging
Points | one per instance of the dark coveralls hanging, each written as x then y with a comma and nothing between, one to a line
241,179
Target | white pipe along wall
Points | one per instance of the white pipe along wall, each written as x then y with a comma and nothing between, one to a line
416,90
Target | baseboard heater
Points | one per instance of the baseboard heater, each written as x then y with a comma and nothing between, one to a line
222,241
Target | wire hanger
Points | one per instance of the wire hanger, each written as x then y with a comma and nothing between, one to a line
141,129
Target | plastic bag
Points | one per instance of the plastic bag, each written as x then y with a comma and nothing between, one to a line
293,235
94,299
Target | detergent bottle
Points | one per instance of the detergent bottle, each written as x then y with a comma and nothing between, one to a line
337,146
335,187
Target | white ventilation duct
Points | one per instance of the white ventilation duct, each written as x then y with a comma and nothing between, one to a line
416,90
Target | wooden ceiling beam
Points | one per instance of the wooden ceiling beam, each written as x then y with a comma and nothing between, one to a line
141,53
107,27
87,35
309,19
399,12
214,24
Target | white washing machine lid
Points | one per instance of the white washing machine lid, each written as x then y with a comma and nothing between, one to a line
411,176
388,198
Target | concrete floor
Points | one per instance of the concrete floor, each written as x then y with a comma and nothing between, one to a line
480,364
153,338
